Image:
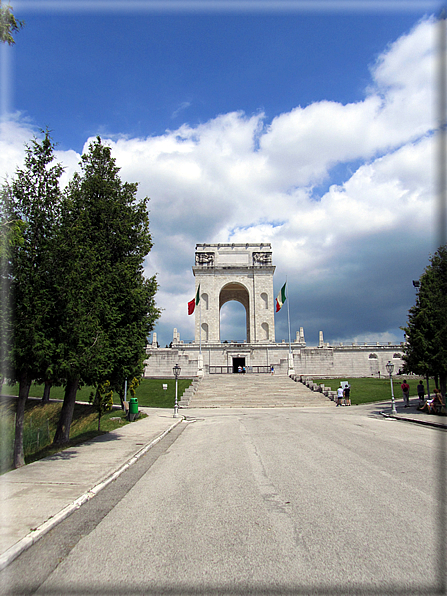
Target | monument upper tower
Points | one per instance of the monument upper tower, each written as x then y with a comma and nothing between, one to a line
240,272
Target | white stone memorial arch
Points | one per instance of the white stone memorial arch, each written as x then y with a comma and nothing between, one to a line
244,272
240,272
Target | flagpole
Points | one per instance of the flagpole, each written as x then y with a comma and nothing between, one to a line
291,367
200,358
200,328
288,314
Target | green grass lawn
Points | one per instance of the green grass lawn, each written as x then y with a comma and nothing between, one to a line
37,391
41,419
150,392
368,390
40,425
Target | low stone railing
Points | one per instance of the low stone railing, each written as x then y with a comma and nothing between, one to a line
320,387
189,392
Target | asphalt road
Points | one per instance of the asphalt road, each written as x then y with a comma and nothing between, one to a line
279,501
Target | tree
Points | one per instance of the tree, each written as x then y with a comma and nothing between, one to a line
11,230
102,400
8,24
33,201
107,307
134,384
130,339
426,332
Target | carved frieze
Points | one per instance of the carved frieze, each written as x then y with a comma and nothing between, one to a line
205,259
262,258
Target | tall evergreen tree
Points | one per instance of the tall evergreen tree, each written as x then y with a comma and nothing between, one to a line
11,230
426,332
33,206
107,307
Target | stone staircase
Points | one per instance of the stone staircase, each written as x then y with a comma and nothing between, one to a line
252,391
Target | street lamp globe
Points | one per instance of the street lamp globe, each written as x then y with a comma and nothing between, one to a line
176,370
389,367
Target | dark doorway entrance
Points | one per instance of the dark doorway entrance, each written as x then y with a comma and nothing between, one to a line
237,362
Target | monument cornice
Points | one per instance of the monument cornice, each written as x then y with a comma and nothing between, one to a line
234,269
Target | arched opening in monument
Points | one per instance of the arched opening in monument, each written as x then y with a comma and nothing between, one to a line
233,326
234,317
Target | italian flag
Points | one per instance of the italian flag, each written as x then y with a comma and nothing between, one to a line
194,302
281,298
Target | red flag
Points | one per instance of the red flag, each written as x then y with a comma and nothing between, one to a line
194,302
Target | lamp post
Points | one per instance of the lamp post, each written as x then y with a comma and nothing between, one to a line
176,370
390,368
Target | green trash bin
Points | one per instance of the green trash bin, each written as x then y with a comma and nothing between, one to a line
133,408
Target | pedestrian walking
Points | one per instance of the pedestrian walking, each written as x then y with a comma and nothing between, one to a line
406,393
339,396
272,370
347,394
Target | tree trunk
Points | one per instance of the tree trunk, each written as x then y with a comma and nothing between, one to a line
62,435
24,385
46,392
121,396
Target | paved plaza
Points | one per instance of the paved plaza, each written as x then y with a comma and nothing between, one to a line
235,501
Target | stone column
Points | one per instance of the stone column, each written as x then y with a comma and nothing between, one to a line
200,365
291,367
321,340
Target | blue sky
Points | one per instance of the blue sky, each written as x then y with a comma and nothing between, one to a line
312,129
140,74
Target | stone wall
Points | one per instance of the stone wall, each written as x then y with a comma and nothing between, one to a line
352,361
340,361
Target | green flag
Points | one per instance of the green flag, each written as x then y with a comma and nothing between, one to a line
281,298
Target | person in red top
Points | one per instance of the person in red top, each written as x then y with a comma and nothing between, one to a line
406,393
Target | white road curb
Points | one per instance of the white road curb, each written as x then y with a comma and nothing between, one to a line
14,551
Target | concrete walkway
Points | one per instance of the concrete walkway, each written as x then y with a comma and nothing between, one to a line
412,414
36,497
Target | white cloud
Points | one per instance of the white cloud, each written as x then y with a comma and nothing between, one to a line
237,178
14,135
183,106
